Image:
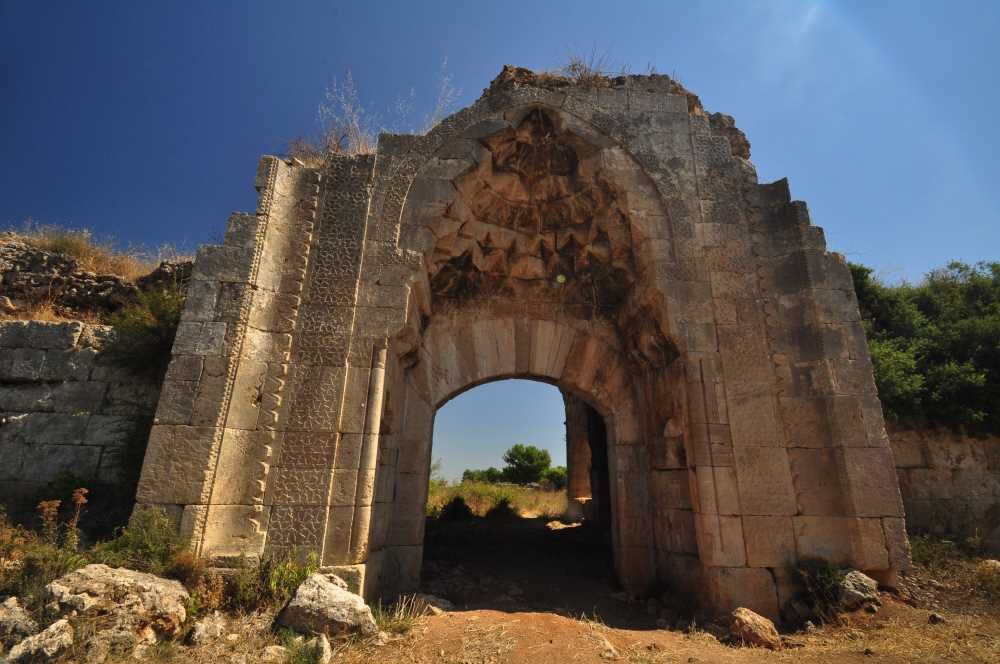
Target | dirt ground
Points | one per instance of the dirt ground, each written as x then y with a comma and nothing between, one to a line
525,592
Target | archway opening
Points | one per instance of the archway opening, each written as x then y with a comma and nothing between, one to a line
503,530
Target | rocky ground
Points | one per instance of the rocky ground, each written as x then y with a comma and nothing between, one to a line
514,590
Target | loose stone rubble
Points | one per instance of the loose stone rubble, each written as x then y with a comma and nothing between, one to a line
323,605
15,623
54,640
857,590
752,629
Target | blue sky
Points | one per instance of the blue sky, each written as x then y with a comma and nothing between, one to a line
144,121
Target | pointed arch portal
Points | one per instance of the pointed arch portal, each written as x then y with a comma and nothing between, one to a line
612,241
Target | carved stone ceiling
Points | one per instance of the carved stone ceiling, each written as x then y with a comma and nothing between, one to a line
536,220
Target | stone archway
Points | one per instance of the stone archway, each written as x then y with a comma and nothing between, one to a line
610,239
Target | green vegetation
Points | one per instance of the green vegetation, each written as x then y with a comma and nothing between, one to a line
935,345
525,464
469,499
145,329
30,559
821,586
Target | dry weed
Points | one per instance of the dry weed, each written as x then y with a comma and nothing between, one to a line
482,497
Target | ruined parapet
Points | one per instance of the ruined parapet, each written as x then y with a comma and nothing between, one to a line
609,238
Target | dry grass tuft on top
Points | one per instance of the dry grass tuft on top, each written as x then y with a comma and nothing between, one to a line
91,253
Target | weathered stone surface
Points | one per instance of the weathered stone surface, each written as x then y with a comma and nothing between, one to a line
16,624
323,605
752,629
211,627
44,646
135,600
856,590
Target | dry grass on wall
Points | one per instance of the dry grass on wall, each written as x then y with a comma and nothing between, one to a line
92,254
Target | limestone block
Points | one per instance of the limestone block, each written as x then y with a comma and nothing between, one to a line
298,486
69,397
635,568
12,456
976,483
126,398
12,333
46,462
316,398
751,587
305,449
770,541
185,368
367,480
209,400
897,543
274,312
222,263
817,476
22,364
804,421
111,467
671,489
245,400
717,491
744,353
345,485
720,540
243,467
675,531
112,430
199,338
930,483
336,549
176,402
955,453
823,537
352,418
177,465
765,481
294,528
872,482
200,302
48,335
234,530
42,428
869,545
752,414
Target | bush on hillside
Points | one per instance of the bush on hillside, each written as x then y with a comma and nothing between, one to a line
935,346
145,330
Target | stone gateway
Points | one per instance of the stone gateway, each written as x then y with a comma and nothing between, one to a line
609,238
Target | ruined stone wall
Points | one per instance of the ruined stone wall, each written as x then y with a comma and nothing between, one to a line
65,412
950,482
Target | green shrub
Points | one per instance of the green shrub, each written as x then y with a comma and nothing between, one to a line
269,582
934,345
149,543
555,478
502,510
525,463
821,582
489,475
455,509
144,331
